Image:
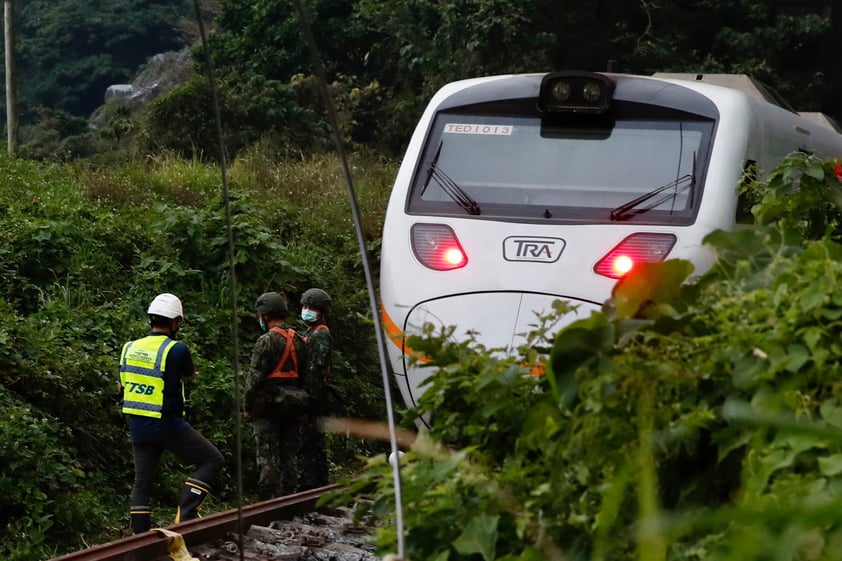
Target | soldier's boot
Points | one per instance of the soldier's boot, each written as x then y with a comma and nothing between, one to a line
192,496
141,519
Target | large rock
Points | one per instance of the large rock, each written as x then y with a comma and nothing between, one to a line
162,73
118,90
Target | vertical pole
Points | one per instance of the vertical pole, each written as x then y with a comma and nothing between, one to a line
11,77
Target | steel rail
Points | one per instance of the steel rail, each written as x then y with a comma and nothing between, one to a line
148,545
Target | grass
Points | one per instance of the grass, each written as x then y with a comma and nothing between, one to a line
316,186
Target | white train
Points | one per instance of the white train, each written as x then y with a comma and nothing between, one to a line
519,190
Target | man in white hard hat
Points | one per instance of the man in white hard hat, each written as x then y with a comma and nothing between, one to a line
153,370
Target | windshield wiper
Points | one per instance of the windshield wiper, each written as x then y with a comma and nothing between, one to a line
625,211
450,187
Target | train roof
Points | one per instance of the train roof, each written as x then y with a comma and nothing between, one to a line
510,86
741,82
752,87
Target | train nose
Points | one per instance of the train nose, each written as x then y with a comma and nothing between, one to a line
498,321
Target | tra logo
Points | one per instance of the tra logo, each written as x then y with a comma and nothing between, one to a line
532,248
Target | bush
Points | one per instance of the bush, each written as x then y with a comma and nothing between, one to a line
82,252
692,420
182,122
33,450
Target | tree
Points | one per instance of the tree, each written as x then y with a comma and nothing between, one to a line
72,50
784,46
399,52
11,76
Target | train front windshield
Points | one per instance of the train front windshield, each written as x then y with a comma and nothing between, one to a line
644,169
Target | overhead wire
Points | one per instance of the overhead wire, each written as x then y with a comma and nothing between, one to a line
334,124
232,275
330,109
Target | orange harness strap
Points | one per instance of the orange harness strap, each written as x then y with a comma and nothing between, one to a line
316,328
289,352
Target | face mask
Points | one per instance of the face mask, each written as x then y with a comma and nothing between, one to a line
262,324
309,316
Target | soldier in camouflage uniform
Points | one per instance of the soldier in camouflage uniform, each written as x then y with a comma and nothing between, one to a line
312,462
275,399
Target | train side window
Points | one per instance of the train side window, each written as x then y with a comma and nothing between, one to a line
745,195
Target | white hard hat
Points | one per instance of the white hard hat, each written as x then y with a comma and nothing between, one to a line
166,305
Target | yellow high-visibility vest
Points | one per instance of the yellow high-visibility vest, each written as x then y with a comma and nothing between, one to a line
142,375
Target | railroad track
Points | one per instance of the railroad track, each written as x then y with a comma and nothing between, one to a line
149,545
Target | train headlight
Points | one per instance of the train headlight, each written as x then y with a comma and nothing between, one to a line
576,92
560,91
592,91
637,248
436,247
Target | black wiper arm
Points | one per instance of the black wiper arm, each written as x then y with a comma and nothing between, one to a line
454,191
450,187
630,208
433,163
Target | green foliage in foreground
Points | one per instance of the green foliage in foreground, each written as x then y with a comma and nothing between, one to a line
83,251
696,420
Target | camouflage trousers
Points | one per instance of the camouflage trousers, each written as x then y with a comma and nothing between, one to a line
312,459
277,444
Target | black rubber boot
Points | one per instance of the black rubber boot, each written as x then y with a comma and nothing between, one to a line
192,495
141,521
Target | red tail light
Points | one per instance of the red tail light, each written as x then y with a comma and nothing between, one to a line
637,248
436,247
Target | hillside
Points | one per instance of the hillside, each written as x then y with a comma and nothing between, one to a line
83,251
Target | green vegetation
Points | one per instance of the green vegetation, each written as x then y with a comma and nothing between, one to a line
83,251
70,51
383,59
686,421
392,55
